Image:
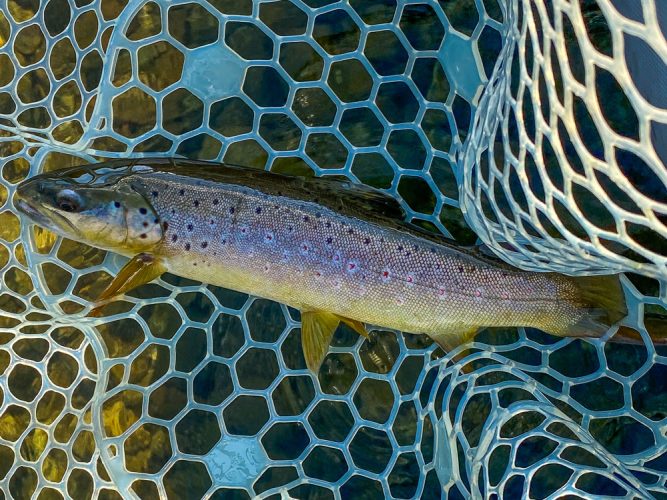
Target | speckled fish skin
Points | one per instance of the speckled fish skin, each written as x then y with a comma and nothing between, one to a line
291,247
313,258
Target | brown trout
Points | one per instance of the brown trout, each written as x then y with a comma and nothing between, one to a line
336,251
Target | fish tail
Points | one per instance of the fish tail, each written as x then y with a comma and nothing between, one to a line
602,302
656,326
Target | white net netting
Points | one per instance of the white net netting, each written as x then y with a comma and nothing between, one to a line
542,121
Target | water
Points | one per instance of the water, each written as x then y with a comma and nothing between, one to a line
183,389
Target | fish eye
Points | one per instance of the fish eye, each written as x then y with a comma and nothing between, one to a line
68,201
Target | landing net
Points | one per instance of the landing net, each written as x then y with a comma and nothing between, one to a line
540,124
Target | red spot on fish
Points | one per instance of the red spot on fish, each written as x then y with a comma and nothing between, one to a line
505,295
442,293
351,266
268,238
266,268
400,301
478,293
318,274
385,275
410,279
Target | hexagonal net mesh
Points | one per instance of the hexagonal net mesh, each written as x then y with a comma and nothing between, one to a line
537,113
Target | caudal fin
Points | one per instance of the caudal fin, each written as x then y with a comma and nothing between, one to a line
602,301
656,326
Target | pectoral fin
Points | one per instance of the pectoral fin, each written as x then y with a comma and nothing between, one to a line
317,329
141,269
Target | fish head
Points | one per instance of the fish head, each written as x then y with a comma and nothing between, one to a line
98,207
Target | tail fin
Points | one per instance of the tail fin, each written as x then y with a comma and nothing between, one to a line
603,301
656,326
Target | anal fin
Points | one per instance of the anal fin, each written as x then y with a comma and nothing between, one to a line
140,269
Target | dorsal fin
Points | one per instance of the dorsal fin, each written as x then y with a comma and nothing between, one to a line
335,192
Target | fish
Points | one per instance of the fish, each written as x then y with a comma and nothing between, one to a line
337,251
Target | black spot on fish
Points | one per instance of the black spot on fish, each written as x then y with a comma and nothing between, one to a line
367,241
350,231
165,225
231,210
400,248
143,211
306,218
181,192
328,224
145,224
187,246
196,203
156,220
154,193
290,228
216,201
116,204
189,227
223,241
204,244
258,210
329,240
174,237
318,215
460,269
142,236
211,222
173,211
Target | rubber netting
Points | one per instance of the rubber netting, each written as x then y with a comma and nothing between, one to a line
541,121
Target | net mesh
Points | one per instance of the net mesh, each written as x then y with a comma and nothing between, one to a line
532,118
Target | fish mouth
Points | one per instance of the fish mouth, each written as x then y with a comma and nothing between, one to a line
44,220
